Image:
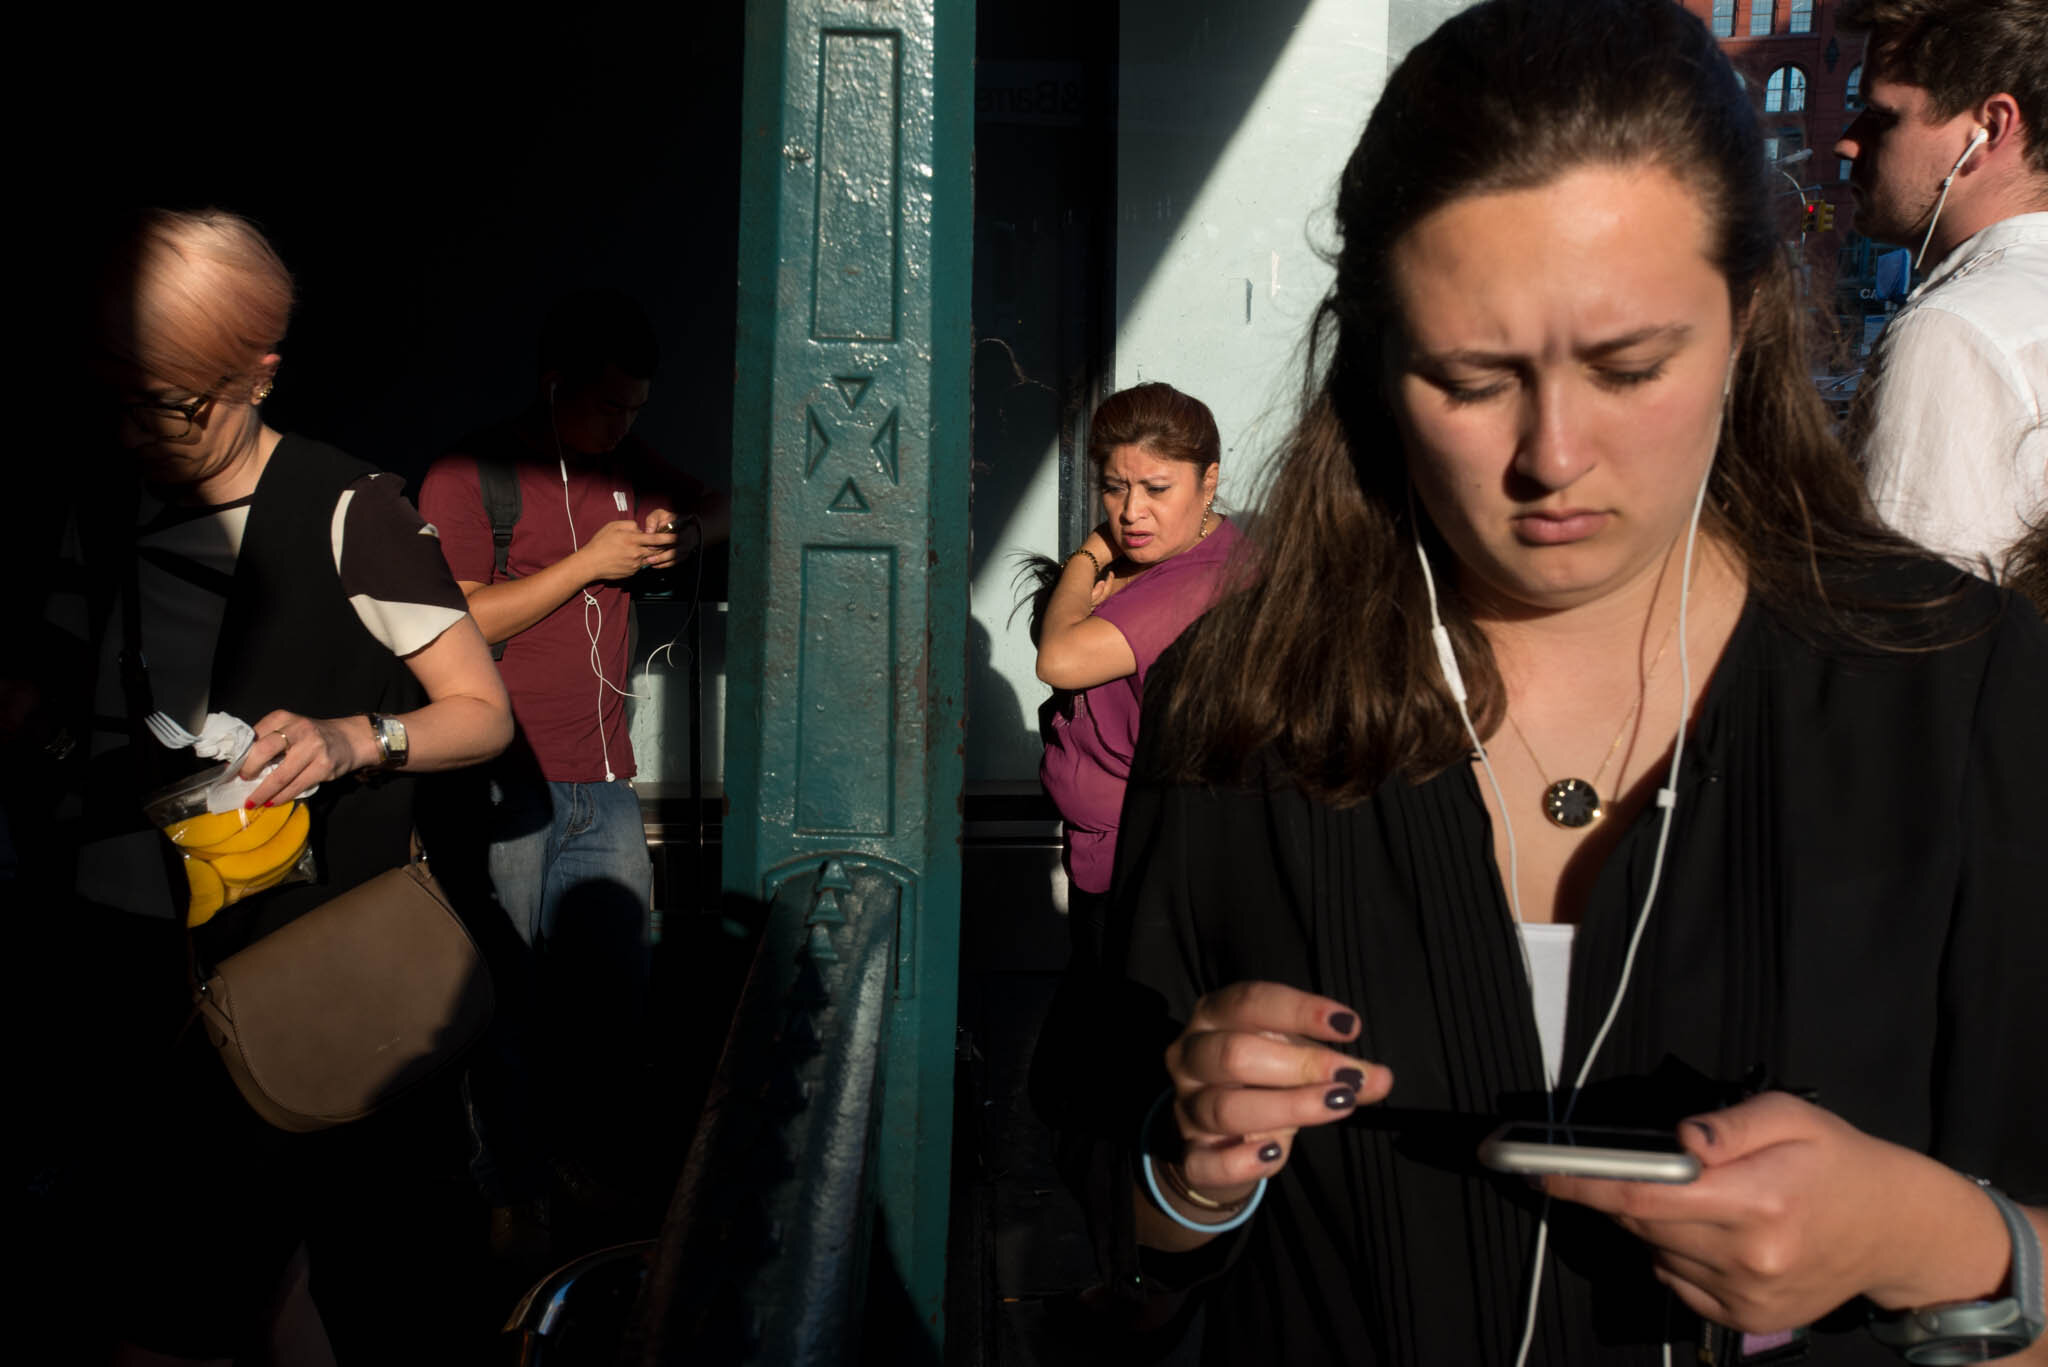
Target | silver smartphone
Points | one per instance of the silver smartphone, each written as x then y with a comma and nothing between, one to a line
1589,1151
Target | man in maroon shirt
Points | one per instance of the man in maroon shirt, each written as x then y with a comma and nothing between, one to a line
595,506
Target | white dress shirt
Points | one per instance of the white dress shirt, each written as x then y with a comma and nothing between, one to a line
1955,438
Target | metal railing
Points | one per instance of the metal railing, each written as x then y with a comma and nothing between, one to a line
763,1256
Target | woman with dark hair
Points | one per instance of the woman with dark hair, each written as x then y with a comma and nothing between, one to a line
1578,749
231,568
1116,603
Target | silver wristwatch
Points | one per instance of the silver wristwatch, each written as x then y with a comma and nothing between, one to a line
391,742
1974,1331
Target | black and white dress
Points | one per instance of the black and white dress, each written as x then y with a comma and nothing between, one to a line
388,581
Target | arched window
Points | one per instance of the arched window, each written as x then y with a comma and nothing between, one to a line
1724,18
1852,98
1785,91
1759,17
1800,20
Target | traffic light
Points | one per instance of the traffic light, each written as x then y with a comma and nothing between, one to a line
1809,218
1827,216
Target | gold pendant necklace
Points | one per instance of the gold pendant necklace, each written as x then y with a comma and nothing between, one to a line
1575,803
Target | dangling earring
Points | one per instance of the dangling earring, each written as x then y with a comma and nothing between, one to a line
262,393
1208,511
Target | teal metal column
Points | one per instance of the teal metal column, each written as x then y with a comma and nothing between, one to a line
847,658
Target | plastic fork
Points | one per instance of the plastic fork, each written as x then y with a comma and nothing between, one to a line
168,732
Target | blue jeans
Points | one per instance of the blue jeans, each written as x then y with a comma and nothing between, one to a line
569,862
570,867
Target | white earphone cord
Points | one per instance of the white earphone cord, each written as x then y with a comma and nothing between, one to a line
1977,140
1667,799
590,604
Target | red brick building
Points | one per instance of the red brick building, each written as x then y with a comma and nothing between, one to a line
1807,80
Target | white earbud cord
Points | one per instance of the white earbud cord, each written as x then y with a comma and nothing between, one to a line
1977,140
668,648
592,630
1667,799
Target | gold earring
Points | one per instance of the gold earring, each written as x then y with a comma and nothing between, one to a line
262,393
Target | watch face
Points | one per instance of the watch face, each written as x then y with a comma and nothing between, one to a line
391,739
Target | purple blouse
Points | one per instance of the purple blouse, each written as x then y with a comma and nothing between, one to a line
1095,732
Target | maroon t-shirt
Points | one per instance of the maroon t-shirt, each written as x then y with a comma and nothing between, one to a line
556,697
1088,759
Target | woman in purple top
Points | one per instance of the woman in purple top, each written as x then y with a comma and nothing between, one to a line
1119,601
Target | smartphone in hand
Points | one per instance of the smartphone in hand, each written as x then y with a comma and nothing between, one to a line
1589,1151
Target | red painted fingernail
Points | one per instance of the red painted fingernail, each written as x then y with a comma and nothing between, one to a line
271,803
250,805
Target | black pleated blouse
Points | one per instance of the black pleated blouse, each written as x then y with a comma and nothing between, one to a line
1854,903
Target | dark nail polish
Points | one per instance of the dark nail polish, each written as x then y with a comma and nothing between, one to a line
1343,1022
1354,1078
1270,1153
1340,1098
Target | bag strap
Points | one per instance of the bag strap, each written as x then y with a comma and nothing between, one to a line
498,480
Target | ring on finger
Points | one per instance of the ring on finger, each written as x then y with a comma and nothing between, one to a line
283,737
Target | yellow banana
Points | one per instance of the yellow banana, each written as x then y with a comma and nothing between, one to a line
264,823
208,828
209,894
235,892
249,868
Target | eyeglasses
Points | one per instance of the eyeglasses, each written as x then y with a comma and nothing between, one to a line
170,421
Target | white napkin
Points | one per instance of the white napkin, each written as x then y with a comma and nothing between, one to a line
228,738
223,737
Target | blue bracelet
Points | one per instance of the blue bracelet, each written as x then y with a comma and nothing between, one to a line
1166,1206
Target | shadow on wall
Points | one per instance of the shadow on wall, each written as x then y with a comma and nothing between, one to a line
1000,739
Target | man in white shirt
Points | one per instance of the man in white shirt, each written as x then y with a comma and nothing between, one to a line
1951,159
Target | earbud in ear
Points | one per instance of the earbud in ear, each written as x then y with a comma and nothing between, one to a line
1977,140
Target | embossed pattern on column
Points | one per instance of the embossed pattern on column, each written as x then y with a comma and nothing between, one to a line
845,775
853,295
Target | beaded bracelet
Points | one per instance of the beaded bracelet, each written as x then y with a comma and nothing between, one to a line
1250,1204
1083,550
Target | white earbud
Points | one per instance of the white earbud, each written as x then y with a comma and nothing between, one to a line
1977,140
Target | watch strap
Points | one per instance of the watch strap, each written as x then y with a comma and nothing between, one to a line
1971,1331
2025,1279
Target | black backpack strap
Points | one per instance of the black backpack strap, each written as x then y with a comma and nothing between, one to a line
498,480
